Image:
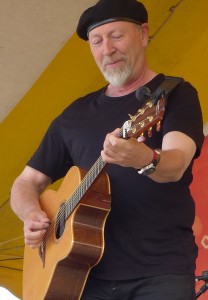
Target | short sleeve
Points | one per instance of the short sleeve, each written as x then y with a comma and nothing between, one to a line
183,113
52,157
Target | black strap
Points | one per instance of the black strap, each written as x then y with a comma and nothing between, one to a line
167,86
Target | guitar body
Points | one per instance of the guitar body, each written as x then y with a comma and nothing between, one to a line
61,273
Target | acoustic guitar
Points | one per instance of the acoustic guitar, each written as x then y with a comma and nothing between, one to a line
74,241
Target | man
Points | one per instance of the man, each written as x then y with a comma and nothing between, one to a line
149,251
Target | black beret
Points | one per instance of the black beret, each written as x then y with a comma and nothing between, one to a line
106,11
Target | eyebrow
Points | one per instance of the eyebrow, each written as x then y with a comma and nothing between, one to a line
113,30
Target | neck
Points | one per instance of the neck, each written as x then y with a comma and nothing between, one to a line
130,86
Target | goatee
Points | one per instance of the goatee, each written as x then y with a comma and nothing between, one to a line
117,77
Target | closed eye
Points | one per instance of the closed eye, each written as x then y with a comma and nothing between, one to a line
95,41
117,37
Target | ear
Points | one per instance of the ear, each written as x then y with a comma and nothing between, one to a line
145,34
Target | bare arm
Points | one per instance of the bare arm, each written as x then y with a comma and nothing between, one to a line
176,154
25,194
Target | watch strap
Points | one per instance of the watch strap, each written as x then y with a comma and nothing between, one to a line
150,168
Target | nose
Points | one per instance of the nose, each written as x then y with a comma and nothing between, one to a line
108,47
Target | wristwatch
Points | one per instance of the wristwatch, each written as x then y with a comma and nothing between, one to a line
149,169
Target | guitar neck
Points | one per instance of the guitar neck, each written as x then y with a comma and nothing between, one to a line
85,184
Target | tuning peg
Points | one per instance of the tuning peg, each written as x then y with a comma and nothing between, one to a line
158,126
132,118
150,132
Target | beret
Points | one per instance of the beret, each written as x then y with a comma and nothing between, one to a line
106,11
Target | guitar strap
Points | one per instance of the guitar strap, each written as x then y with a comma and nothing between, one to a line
167,86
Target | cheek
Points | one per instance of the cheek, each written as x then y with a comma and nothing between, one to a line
97,57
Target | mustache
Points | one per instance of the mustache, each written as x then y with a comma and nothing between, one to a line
109,60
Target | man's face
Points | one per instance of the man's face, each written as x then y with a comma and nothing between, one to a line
119,50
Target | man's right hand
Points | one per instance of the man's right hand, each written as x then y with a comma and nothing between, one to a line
35,226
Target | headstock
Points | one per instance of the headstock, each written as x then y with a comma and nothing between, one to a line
146,117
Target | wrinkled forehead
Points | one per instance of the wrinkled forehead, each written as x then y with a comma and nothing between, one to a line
110,21
111,27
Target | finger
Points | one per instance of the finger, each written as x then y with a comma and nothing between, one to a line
31,225
34,233
141,139
34,238
42,217
106,157
112,140
35,246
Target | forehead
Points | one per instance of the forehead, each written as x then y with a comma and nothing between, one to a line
111,27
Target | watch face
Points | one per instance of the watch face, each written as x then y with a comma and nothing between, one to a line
149,171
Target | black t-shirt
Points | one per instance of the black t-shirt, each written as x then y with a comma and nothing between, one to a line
149,228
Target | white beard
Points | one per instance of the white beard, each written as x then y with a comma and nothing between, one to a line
118,77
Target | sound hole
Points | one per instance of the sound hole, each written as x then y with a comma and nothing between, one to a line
60,221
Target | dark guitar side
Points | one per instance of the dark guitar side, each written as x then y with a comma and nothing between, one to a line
68,259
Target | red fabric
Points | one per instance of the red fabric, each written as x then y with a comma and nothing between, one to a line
199,189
